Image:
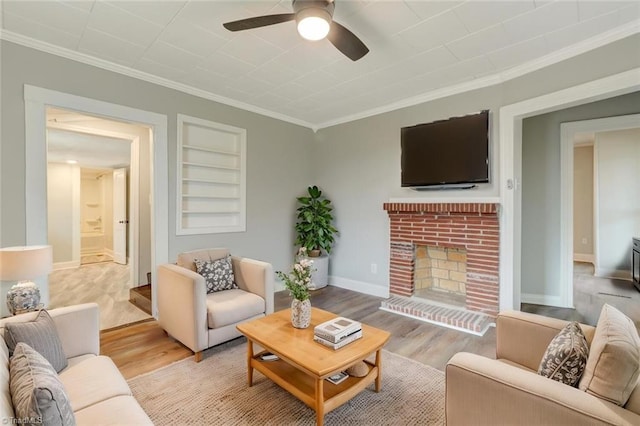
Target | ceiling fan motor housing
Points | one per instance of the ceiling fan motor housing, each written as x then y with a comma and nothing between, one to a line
305,8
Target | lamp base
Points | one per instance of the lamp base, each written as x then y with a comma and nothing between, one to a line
23,297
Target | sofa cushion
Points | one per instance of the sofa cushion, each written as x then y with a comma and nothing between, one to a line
119,410
232,306
6,406
36,390
566,356
613,366
218,274
93,380
40,334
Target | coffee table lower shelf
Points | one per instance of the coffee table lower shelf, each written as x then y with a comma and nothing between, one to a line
304,386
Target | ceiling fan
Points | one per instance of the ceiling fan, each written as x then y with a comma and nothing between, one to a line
315,22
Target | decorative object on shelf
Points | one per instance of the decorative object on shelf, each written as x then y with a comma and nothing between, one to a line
314,226
24,264
358,369
297,282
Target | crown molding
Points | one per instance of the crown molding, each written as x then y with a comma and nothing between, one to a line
141,75
611,36
584,46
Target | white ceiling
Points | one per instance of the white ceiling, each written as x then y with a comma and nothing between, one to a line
88,150
418,49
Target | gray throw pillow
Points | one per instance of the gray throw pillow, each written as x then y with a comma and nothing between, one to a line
218,274
566,356
41,334
37,394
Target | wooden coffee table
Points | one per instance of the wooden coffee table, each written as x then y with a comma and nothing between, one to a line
304,364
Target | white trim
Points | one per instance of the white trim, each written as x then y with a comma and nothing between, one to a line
36,101
567,145
141,75
76,230
511,117
66,265
359,286
581,257
542,299
607,37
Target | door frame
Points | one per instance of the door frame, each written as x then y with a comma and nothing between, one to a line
134,191
510,124
36,101
567,131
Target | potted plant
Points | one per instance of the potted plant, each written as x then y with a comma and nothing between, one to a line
298,282
314,226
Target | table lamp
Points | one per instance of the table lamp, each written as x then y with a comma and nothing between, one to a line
23,264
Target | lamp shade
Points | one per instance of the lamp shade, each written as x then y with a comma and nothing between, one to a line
25,263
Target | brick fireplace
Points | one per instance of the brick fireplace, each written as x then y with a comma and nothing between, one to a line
469,228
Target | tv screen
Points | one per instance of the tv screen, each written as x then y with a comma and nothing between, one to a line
452,152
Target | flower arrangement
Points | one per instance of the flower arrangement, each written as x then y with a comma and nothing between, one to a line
299,279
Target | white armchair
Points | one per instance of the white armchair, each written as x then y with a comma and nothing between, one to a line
200,320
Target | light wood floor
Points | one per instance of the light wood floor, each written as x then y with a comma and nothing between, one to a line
144,347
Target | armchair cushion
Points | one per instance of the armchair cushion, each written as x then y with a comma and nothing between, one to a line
613,366
232,306
218,274
566,356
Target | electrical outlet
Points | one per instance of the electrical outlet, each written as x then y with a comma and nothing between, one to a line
584,241
374,268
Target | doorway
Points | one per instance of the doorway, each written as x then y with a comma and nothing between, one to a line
97,201
615,141
36,101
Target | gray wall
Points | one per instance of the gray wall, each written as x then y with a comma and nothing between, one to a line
541,189
358,165
278,161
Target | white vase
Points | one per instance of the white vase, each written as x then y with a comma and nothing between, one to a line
300,313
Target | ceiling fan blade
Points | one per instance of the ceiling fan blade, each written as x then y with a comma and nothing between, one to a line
259,21
346,42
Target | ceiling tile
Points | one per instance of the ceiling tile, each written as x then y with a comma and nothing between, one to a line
476,15
251,49
121,24
274,73
249,85
161,70
206,79
480,42
85,5
582,31
310,56
159,12
454,74
629,13
38,31
284,35
591,9
318,80
107,47
438,30
292,91
427,9
210,15
345,9
226,65
518,53
548,17
52,14
381,19
432,60
171,56
182,34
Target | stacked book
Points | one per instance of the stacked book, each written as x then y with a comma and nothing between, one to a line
337,332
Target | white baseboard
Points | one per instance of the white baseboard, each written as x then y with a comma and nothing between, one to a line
580,257
620,274
359,286
543,299
66,265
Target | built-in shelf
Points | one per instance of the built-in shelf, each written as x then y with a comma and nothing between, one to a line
211,177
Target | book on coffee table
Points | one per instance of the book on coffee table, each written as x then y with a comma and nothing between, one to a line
338,377
345,341
337,329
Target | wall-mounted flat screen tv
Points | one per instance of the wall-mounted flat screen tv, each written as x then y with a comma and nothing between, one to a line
446,153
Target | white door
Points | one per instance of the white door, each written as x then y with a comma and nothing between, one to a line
120,216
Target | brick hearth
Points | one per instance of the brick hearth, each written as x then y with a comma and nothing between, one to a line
473,227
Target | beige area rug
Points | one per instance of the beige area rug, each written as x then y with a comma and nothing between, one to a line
215,392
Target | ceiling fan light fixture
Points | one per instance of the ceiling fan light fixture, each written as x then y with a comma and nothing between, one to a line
313,24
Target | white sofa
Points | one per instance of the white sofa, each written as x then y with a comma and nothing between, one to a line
98,393
200,320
